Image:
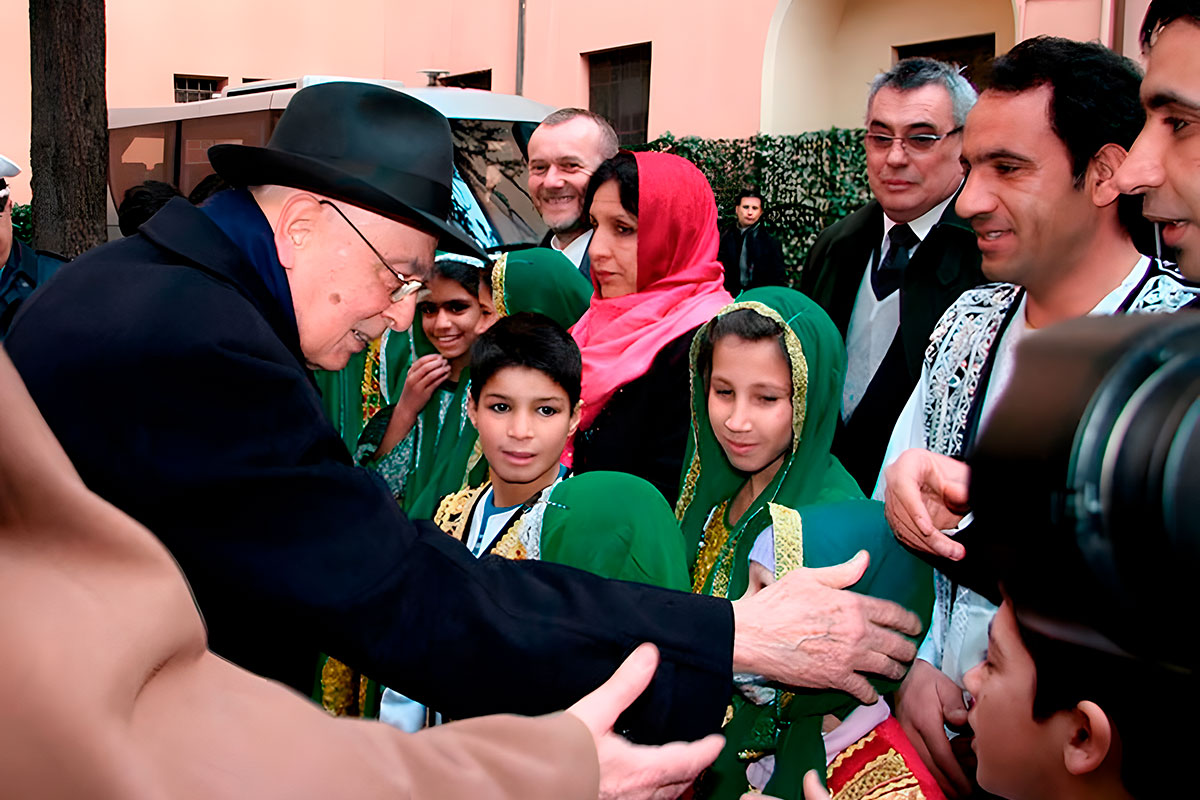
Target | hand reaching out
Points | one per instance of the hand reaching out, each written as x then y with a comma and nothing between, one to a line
925,494
637,772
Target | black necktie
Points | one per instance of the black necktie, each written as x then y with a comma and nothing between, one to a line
890,274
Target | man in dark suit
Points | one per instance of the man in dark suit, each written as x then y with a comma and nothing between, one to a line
750,255
564,151
887,272
209,431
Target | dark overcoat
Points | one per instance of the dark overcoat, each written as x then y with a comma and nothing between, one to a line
944,266
176,385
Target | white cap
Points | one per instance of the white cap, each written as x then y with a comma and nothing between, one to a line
8,169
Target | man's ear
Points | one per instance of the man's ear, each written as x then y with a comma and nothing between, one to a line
1091,738
295,226
1101,169
576,414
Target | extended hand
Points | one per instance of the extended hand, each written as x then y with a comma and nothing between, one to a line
629,771
925,494
424,376
925,703
806,630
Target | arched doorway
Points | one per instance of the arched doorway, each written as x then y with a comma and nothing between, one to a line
822,54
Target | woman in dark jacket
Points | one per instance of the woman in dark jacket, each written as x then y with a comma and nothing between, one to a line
657,279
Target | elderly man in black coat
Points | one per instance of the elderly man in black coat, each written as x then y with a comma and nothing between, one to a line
173,368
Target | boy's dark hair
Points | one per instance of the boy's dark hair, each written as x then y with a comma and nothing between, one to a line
1162,13
745,323
463,271
142,202
527,340
1135,695
621,168
1094,101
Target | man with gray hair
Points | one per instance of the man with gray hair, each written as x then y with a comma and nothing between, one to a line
887,272
564,151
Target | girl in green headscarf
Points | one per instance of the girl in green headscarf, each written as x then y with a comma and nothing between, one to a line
761,496
428,450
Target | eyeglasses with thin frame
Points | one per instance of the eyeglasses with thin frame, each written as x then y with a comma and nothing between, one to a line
407,285
913,143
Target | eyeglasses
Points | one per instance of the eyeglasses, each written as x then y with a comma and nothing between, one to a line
915,143
407,285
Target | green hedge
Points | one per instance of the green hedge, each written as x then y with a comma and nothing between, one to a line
22,221
809,180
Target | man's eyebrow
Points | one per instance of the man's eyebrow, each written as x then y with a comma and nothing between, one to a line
1166,98
918,124
1005,155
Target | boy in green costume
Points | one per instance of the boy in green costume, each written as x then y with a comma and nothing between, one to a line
761,496
525,405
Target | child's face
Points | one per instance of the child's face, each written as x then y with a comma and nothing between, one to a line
750,402
1012,747
450,317
524,420
487,309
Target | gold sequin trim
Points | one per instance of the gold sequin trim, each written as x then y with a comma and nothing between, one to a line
715,549
510,545
336,687
498,270
887,777
849,751
789,539
453,513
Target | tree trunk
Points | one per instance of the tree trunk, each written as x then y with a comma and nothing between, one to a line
69,132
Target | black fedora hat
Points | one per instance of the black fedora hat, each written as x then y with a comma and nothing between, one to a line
367,145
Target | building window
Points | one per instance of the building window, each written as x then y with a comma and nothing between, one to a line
619,89
190,88
972,53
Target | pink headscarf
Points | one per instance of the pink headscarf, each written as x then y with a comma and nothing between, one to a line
680,283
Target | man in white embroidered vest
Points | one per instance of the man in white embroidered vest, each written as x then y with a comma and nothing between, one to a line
1043,144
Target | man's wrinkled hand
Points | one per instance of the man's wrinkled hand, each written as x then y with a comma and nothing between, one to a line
636,772
807,630
925,703
926,493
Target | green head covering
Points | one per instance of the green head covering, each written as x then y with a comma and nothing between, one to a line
818,517
543,280
616,526
809,474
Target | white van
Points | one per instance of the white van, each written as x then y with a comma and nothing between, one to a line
491,131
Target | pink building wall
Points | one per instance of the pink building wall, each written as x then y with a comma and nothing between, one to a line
710,59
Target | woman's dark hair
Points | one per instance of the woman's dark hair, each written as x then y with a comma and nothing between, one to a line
527,340
1136,696
464,274
142,202
621,168
745,323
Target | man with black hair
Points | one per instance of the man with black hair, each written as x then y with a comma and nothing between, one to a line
1162,164
22,269
887,272
750,255
1043,145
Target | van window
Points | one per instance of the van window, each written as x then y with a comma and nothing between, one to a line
491,164
200,133
140,153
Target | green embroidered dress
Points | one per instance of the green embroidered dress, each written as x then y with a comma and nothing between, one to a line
817,517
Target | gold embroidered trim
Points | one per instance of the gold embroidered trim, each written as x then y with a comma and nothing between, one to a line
887,777
510,545
454,511
336,680
498,270
714,549
849,751
789,539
